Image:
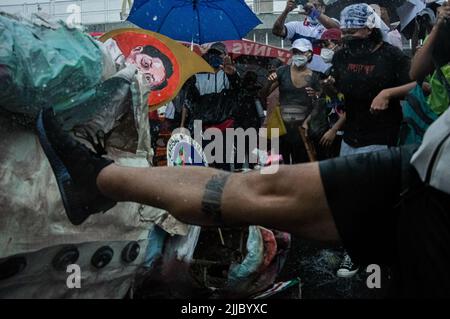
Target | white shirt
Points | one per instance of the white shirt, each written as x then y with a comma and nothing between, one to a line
170,111
318,64
297,30
208,83
395,38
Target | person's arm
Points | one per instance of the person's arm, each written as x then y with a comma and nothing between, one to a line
400,67
209,197
325,20
314,88
230,70
381,101
270,86
270,108
278,28
312,200
328,22
329,85
183,116
340,123
305,124
422,64
327,139
400,91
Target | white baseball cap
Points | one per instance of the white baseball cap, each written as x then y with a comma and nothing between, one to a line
302,45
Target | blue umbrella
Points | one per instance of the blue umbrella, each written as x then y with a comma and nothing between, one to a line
198,21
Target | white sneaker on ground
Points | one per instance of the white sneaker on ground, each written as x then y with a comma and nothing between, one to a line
347,269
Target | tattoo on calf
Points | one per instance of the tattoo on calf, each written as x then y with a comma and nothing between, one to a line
212,198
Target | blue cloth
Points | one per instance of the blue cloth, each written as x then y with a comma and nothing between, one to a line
43,67
200,21
358,16
156,238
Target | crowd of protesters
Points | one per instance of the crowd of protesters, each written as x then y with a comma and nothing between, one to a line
362,89
340,95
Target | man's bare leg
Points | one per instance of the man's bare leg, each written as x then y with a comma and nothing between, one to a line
292,200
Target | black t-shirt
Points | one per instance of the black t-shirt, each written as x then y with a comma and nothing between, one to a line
361,79
378,225
180,101
246,115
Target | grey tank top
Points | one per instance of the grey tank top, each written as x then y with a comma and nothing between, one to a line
294,102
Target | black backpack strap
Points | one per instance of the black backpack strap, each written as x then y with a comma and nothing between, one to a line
417,129
411,184
441,77
417,108
403,134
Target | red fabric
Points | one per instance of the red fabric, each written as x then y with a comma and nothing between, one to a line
221,126
96,34
317,50
332,34
153,115
237,48
270,247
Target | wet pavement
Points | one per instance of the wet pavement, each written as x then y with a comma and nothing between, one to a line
316,266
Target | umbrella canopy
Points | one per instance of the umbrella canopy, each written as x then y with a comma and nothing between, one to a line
198,21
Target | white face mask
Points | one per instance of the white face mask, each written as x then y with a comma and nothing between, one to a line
299,60
327,55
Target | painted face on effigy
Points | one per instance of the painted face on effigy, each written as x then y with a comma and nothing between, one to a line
152,67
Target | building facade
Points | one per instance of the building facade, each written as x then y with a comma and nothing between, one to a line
106,15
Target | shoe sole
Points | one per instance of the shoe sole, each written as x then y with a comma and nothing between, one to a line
63,178
347,274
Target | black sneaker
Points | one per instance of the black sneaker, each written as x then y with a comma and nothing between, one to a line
347,268
76,168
